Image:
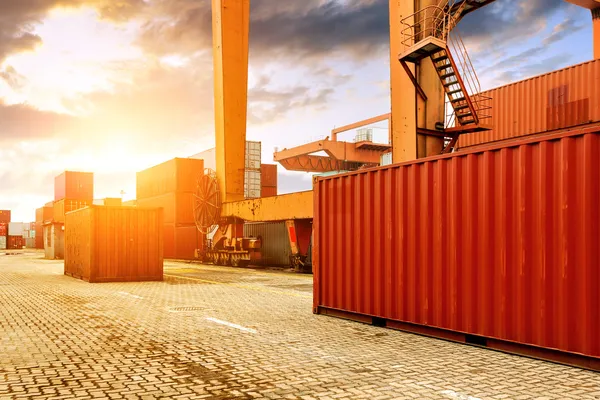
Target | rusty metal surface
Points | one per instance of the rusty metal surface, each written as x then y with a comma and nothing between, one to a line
560,99
277,208
502,243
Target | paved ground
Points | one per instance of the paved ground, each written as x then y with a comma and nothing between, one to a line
229,333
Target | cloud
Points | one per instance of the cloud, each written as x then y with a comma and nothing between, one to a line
562,30
18,18
22,122
289,30
505,21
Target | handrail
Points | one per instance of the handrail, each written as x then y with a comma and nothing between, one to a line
429,21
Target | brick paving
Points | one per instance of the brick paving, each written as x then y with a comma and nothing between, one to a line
217,333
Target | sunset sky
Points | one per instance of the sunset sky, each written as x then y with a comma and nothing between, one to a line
116,86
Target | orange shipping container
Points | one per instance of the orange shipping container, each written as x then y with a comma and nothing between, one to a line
181,242
61,207
114,244
560,99
44,214
178,207
74,186
176,175
39,236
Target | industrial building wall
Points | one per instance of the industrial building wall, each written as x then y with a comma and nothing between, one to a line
560,99
275,250
501,243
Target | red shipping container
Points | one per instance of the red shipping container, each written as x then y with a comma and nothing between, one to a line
176,175
39,236
74,186
5,216
15,242
268,191
555,100
3,229
181,242
498,247
178,207
268,174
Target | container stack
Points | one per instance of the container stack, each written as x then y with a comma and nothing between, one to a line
72,191
252,172
43,216
268,180
29,235
4,221
15,239
171,186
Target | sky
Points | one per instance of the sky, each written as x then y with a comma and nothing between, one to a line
116,86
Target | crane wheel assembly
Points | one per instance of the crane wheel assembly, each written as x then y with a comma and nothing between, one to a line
228,246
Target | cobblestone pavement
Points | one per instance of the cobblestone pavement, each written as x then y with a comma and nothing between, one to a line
218,333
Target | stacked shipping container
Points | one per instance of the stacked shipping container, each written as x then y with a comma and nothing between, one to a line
560,99
171,186
42,215
252,172
268,178
16,232
4,221
72,191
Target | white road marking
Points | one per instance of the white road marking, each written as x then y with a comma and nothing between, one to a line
131,295
229,324
458,396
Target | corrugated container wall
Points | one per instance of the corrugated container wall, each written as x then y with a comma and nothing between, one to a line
268,174
560,99
252,184
74,186
176,175
61,207
3,229
385,159
44,214
4,216
114,244
3,243
253,155
16,228
502,243
181,242
275,250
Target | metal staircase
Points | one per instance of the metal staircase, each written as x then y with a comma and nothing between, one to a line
426,34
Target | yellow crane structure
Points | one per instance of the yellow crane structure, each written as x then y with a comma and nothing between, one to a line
419,29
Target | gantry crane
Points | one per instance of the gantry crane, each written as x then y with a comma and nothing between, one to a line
414,126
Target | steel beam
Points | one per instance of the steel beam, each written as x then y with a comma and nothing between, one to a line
277,208
359,124
231,28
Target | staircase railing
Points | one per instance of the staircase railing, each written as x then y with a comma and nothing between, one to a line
430,21
472,85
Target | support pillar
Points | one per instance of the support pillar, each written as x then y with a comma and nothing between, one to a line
231,29
403,125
